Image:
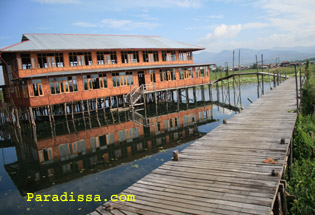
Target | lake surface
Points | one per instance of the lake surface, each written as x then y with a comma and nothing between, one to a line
104,154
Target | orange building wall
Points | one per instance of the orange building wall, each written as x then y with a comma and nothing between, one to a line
35,70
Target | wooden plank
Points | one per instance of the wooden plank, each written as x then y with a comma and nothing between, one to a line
224,171
196,198
208,206
94,213
102,211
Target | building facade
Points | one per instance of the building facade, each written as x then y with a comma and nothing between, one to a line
50,69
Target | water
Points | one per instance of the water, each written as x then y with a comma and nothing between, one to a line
106,168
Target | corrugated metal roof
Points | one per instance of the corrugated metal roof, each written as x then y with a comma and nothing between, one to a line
51,74
41,42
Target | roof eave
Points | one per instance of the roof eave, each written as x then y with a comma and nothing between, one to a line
59,50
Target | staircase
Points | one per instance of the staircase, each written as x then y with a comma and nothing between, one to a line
134,95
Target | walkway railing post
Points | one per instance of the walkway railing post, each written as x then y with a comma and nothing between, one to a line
257,77
296,87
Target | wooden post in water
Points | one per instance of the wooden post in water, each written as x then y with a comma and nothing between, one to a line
257,77
88,107
65,112
72,116
96,111
83,113
239,77
17,118
177,92
187,97
210,92
233,69
49,113
32,116
217,86
203,93
262,76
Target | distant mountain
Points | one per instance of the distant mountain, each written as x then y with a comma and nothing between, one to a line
248,55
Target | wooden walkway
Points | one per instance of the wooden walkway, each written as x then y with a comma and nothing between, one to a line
224,171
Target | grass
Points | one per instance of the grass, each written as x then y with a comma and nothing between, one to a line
289,71
301,177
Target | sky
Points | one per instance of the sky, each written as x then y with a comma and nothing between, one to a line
214,24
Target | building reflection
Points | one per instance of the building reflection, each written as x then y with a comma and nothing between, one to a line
61,151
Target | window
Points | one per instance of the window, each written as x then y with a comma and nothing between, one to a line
168,56
186,72
106,58
63,85
122,79
80,58
103,81
150,56
45,155
128,134
91,82
168,74
202,71
152,75
106,139
26,61
37,88
46,60
129,57
185,55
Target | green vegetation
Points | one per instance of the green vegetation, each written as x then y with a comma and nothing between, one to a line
1,96
283,70
301,183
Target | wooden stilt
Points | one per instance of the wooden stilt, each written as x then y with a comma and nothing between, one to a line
17,118
96,110
32,116
178,98
187,97
83,115
210,92
49,114
72,116
195,97
110,102
203,93
117,106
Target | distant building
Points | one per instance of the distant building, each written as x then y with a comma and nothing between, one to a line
295,63
285,63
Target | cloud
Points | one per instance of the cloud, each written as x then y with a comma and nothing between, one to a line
85,24
123,4
57,1
223,31
284,24
146,16
212,17
187,3
123,24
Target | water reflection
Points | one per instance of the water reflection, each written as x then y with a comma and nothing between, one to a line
100,153
52,155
